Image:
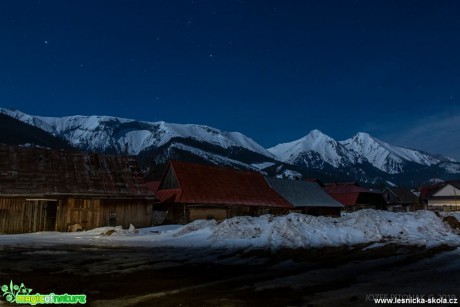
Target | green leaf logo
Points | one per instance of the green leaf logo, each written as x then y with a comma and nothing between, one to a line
10,292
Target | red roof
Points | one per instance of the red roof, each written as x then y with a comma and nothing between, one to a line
203,184
347,199
153,186
347,193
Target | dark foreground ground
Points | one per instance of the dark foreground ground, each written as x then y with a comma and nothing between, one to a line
187,277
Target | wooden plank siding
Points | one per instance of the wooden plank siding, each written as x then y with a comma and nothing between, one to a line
20,214
185,213
27,215
124,212
12,215
92,213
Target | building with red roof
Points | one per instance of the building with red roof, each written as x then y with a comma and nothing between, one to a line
190,191
355,197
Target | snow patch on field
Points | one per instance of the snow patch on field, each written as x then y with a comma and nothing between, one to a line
295,230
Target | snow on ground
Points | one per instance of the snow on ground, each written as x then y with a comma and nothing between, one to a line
295,230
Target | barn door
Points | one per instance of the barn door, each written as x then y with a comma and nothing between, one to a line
51,211
40,215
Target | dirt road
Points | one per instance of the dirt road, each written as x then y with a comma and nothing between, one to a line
190,277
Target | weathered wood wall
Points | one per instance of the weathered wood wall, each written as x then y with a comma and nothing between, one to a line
92,213
79,210
20,215
11,215
182,213
126,212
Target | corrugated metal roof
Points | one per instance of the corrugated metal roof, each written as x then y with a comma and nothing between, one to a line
153,185
46,171
302,194
204,184
172,195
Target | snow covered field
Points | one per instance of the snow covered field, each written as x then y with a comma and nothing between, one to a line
422,228
292,260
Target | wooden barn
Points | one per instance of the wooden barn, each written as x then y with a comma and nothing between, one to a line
49,190
400,199
355,197
190,191
306,197
446,197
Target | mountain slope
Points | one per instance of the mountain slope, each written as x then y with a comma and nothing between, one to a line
385,157
314,149
361,158
15,132
112,134
366,159
154,142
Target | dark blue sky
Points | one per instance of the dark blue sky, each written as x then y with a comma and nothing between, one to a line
273,70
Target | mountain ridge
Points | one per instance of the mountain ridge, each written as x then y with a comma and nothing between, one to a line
360,148
362,157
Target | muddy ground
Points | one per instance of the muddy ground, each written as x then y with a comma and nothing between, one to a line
201,277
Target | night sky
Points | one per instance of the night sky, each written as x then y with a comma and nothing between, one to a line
273,70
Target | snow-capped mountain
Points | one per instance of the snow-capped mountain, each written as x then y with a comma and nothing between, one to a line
314,149
363,158
154,142
385,157
361,151
106,133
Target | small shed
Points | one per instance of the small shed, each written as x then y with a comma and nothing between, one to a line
49,190
446,197
400,199
306,197
355,197
190,191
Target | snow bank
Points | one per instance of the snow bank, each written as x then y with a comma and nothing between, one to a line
422,228
304,231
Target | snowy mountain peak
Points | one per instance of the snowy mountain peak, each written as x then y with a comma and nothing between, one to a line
317,137
316,133
363,136
317,148
298,151
388,158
